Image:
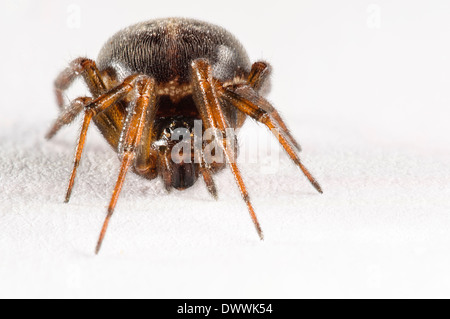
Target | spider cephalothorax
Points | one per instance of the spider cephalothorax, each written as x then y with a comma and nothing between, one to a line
158,76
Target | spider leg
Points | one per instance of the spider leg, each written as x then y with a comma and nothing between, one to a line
132,137
205,169
146,162
98,83
79,67
250,104
165,168
91,110
209,181
212,115
258,75
68,115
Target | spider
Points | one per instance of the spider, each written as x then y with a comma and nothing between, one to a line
154,77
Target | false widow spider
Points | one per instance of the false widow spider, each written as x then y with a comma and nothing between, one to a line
155,76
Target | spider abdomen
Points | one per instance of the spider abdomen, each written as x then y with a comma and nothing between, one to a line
165,48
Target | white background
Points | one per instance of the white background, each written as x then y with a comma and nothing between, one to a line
364,85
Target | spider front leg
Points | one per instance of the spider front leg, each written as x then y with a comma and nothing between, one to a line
250,103
79,67
68,115
259,74
205,168
146,162
210,110
91,75
209,180
92,109
164,166
132,134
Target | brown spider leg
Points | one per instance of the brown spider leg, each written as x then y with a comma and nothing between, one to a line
251,106
205,169
207,174
250,94
209,181
92,109
79,67
132,138
68,115
258,75
146,162
165,167
211,112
